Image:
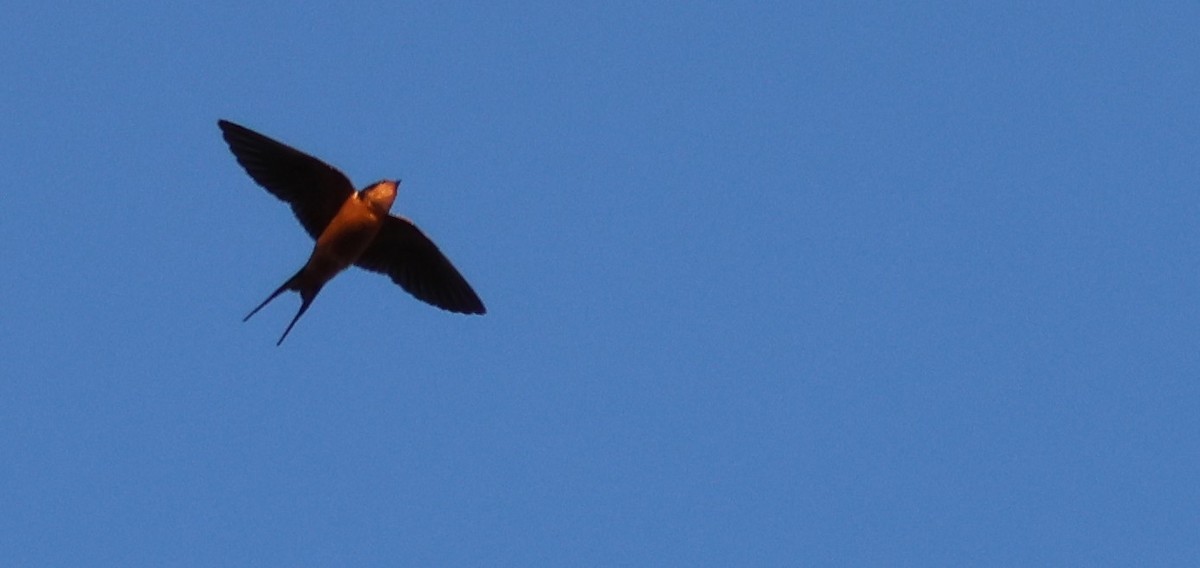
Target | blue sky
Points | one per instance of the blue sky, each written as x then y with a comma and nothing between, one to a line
773,284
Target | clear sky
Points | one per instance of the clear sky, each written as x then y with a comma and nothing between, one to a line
769,284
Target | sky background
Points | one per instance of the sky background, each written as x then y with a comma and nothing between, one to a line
769,284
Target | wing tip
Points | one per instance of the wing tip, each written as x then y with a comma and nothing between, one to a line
468,308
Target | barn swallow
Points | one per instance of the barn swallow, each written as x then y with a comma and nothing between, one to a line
350,227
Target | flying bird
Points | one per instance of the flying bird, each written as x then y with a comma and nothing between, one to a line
350,227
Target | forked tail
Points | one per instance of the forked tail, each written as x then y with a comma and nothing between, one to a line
306,298
291,284
305,301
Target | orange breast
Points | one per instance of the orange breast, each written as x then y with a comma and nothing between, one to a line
343,240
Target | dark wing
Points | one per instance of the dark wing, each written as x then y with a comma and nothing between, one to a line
314,189
404,253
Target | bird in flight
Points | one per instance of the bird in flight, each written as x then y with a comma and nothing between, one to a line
350,227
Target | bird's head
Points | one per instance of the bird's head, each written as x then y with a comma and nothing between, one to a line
380,195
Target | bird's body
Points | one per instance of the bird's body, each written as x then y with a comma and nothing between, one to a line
350,232
350,228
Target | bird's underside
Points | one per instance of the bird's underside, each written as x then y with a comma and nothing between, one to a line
350,228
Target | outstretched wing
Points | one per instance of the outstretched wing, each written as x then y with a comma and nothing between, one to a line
314,189
404,253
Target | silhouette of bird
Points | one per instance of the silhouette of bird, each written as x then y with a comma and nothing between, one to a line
350,227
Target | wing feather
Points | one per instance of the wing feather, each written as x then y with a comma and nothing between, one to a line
405,254
314,189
